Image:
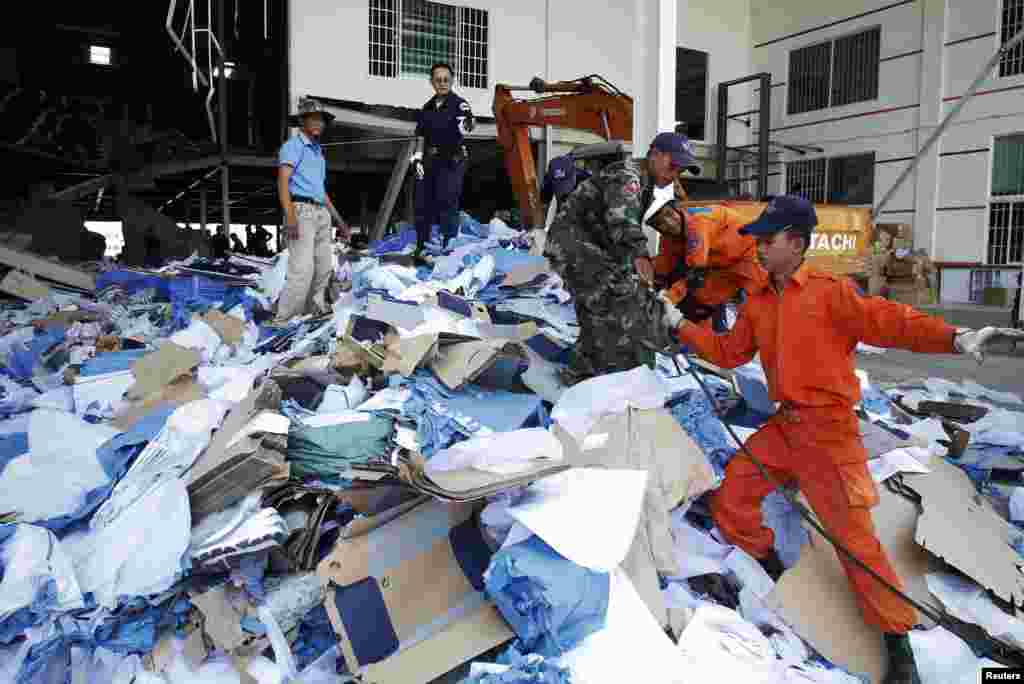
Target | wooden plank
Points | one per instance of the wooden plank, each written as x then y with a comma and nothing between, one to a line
394,187
37,266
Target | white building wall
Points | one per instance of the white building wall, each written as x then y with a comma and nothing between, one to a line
330,47
931,50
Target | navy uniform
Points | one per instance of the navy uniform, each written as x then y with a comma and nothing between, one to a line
443,123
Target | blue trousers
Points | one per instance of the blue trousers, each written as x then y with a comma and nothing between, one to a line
437,197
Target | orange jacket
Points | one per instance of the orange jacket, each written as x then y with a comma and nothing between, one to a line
807,335
712,242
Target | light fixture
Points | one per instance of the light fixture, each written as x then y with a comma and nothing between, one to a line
229,70
100,54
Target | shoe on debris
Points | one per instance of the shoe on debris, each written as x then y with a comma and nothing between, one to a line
902,666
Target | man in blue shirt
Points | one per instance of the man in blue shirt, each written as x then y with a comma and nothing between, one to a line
309,215
439,161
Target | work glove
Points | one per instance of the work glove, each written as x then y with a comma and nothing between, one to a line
417,165
671,316
974,342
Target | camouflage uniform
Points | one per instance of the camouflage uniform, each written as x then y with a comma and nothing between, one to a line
591,244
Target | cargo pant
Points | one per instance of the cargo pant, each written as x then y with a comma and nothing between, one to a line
310,262
822,454
438,195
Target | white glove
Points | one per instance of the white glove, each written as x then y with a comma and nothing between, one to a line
974,342
417,165
671,316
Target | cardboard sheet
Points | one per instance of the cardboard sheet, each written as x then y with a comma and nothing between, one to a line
409,353
397,592
457,364
229,468
962,528
229,328
153,372
815,598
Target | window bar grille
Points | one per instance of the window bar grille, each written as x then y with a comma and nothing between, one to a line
1012,62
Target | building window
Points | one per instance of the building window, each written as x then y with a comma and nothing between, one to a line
1012,63
407,38
836,73
840,180
692,92
1006,214
101,55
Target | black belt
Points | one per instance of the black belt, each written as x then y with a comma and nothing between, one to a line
298,199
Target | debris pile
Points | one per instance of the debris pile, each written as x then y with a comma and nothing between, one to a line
404,489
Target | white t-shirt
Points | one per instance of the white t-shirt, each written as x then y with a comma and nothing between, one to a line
661,196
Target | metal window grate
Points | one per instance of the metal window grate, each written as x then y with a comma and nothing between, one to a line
807,178
1006,233
836,73
809,70
383,42
429,35
407,37
855,67
839,180
473,42
1012,63
851,180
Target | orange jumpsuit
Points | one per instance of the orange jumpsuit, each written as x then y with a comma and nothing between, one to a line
712,243
806,336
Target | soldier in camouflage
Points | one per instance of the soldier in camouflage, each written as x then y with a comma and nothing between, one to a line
598,246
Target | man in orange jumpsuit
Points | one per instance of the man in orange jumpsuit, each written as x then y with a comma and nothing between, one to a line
708,261
806,324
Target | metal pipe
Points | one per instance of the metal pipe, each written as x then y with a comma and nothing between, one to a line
406,138
225,185
764,122
937,133
178,44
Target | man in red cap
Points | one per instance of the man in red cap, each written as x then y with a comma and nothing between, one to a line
806,324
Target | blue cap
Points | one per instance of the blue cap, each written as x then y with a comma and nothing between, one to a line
783,211
681,149
561,176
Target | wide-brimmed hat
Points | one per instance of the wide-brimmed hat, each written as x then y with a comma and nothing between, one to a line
309,106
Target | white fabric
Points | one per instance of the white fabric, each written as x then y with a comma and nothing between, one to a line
558,507
944,658
168,455
139,552
499,452
201,337
632,647
30,558
662,196
583,404
339,398
62,450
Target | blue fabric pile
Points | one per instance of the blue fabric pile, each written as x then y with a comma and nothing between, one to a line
550,602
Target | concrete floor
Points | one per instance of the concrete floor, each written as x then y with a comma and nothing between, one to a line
1001,371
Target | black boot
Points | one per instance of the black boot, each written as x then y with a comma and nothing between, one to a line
902,666
772,564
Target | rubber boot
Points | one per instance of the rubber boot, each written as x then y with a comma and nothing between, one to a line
772,564
902,666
